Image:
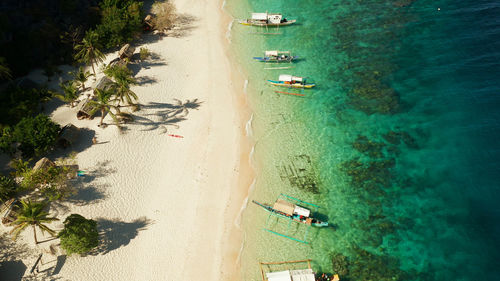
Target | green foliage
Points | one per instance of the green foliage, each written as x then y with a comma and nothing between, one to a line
70,92
81,76
79,235
5,72
32,214
121,21
36,135
8,187
88,50
104,103
123,78
144,53
17,103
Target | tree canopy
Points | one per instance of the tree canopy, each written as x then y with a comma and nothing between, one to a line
35,135
79,235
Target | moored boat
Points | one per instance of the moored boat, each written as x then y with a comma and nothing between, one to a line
276,56
266,19
290,81
292,211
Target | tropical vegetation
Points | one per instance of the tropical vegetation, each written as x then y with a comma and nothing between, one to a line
8,187
80,77
105,104
79,235
123,78
88,50
35,136
70,92
32,214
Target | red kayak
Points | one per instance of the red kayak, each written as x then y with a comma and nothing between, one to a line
175,136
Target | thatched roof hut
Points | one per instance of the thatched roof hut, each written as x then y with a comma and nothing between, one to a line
43,163
85,109
126,51
68,135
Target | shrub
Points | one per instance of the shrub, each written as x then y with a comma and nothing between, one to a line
121,22
144,53
165,15
79,235
8,187
36,135
16,103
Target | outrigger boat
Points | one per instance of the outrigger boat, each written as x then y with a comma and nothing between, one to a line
266,19
292,271
291,210
290,81
276,56
294,212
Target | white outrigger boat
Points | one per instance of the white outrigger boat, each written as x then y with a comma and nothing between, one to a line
276,56
290,81
292,271
266,19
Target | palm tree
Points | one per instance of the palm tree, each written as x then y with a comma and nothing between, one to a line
34,215
5,72
103,103
70,92
81,76
123,78
87,50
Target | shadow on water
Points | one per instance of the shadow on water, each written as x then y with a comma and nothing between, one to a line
115,233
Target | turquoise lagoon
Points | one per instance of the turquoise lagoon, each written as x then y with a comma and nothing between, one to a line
398,143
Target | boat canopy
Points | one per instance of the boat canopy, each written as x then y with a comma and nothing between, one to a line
271,53
276,53
290,78
301,211
259,16
284,206
291,275
274,18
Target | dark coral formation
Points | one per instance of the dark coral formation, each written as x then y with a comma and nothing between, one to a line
368,147
365,265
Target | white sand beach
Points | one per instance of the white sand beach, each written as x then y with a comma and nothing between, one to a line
166,206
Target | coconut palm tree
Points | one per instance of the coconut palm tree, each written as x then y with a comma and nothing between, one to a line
32,214
70,92
81,76
5,72
123,78
87,50
104,103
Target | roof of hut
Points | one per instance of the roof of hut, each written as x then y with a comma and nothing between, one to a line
69,133
105,83
126,51
85,107
43,163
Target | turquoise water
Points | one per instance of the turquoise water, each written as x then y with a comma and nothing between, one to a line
398,143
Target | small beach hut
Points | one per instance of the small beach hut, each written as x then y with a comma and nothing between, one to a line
126,51
85,109
43,163
68,135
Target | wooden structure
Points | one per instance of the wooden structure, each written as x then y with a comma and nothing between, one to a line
10,215
68,135
43,163
85,110
292,271
126,51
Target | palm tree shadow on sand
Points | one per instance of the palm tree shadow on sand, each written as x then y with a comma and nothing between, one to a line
114,234
165,114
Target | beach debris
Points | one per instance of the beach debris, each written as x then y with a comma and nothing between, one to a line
300,173
175,136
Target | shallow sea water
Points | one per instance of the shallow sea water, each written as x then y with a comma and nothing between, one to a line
398,143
